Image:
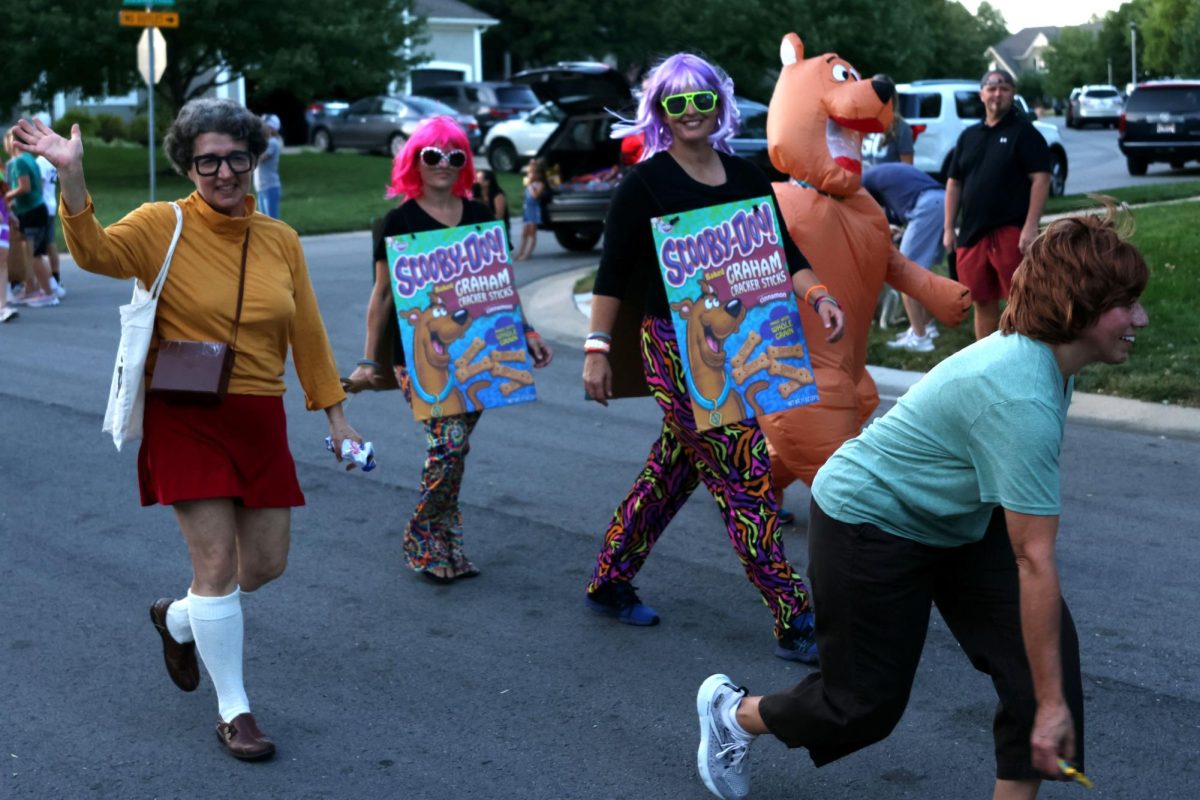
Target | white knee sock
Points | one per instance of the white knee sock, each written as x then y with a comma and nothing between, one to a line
218,629
179,625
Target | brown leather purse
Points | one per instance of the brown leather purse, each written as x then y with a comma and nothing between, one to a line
199,371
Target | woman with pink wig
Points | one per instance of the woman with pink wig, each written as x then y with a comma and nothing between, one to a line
686,117
433,176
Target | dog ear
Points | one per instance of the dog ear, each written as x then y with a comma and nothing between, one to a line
413,315
791,49
684,308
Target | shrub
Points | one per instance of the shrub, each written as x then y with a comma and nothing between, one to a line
77,116
139,124
110,127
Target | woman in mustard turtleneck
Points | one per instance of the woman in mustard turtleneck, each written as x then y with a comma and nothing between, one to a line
225,469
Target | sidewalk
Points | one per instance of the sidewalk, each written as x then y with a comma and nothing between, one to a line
551,304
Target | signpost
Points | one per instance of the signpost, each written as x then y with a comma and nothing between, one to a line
152,56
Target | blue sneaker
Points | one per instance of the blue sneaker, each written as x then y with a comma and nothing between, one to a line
723,757
799,643
620,600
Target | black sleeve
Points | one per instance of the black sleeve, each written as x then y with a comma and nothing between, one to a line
1033,153
956,165
393,225
795,259
628,241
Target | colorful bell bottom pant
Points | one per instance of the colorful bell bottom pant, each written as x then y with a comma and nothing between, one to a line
433,537
732,462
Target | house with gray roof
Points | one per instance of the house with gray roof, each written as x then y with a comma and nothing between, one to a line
455,44
1025,50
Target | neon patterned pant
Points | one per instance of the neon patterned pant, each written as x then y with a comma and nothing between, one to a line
732,462
433,537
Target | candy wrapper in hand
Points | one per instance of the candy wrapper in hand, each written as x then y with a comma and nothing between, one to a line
354,454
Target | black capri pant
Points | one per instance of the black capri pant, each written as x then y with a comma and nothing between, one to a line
872,592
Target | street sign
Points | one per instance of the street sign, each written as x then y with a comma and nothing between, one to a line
160,54
149,19
150,3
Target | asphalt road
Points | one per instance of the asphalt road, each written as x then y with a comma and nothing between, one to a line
375,683
1095,162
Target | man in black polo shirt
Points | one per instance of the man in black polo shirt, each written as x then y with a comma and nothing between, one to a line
1001,174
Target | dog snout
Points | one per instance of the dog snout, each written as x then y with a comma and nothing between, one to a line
884,90
733,307
461,316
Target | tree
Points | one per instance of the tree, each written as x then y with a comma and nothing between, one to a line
957,39
309,47
1113,40
1074,60
1171,28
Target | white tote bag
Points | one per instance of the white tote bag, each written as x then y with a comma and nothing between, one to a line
127,395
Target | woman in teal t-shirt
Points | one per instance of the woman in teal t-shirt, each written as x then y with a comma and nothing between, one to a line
929,505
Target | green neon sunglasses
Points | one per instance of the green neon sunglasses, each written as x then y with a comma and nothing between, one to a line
676,104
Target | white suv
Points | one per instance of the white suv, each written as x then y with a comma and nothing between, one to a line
1100,104
939,110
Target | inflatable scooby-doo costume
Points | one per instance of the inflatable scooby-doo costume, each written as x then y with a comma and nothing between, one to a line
818,115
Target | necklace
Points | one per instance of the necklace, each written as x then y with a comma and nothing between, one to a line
435,402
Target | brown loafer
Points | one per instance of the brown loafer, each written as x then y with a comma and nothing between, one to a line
180,657
243,739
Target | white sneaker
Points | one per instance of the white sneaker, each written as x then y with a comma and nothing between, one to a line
724,755
901,340
57,288
931,329
40,300
919,344
8,314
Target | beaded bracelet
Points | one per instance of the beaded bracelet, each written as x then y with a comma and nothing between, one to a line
812,289
596,346
530,333
601,335
826,298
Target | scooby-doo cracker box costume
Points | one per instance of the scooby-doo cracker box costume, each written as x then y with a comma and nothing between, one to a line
819,112
741,345
460,320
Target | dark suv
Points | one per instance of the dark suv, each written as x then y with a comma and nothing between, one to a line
488,101
1161,122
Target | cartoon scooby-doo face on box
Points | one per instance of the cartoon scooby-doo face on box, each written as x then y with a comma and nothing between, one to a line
434,329
709,323
819,112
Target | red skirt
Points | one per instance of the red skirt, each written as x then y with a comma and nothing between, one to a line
237,448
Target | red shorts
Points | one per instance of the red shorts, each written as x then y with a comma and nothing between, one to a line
987,267
236,449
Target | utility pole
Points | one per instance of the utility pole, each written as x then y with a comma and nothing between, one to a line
1133,51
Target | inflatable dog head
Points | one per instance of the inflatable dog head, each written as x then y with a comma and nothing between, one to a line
819,112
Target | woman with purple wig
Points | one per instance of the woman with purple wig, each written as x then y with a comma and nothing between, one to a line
433,175
687,115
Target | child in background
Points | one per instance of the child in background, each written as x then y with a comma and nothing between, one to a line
531,212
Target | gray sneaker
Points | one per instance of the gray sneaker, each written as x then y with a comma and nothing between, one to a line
723,757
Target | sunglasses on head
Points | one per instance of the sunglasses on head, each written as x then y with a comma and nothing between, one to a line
436,157
676,104
239,161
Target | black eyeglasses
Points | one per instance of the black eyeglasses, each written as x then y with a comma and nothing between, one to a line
436,157
240,162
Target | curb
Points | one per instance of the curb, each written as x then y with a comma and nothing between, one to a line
551,306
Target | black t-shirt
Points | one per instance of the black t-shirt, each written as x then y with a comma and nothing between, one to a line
409,217
657,187
993,164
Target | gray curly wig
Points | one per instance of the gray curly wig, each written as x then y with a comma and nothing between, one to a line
210,115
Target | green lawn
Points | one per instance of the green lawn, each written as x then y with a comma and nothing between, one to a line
1133,195
322,192
1165,366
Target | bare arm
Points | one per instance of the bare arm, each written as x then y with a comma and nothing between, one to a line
21,188
1038,193
597,371
379,308
831,314
953,195
906,158
1032,538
